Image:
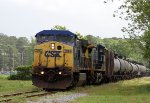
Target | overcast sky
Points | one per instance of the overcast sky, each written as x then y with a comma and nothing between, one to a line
27,17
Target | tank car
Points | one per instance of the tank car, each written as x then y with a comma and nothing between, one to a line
115,67
61,60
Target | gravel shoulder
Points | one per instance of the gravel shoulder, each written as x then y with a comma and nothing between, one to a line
59,98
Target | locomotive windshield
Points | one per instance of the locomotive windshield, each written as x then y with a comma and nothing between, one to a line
41,39
66,39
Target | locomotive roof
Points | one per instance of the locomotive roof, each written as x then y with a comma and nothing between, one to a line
55,32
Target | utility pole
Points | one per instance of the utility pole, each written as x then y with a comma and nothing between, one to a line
13,62
22,58
2,70
3,54
2,59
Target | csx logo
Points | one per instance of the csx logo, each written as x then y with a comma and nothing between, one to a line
52,53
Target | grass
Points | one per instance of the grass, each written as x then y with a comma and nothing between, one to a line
129,91
2,76
10,86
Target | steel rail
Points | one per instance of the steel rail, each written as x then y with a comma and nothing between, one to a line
32,94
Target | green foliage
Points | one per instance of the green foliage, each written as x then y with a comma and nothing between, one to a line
15,51
146,39
137,13
3,76
79,35
11,86
23,73
93,40
59,27
124,48
21,42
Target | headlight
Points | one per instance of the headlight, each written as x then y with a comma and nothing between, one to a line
53,46
60,73
42,72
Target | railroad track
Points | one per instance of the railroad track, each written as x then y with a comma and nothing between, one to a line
28,94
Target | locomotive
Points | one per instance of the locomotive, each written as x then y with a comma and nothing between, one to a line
61,60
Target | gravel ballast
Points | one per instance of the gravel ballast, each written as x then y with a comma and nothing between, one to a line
60,99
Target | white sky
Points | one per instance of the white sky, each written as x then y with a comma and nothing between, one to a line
27,17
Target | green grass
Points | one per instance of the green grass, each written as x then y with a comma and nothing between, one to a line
10,86
129,91
2,76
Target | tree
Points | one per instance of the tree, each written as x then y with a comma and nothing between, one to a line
137,12
15,51
146,39
59,27
29,49
93,40
79,35
21,44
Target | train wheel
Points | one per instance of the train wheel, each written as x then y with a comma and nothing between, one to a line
98,78
75,79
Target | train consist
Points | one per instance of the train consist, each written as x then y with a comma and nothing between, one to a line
61,60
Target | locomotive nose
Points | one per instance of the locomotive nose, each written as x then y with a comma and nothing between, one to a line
54,55
60,56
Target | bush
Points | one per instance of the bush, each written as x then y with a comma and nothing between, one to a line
2,76
23,73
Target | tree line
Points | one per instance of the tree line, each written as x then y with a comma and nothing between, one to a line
15,52
137,14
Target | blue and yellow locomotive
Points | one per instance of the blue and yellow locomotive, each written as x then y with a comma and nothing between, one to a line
54,59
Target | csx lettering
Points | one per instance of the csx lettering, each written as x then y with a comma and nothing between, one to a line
52,53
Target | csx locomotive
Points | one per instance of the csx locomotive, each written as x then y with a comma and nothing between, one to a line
61,60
